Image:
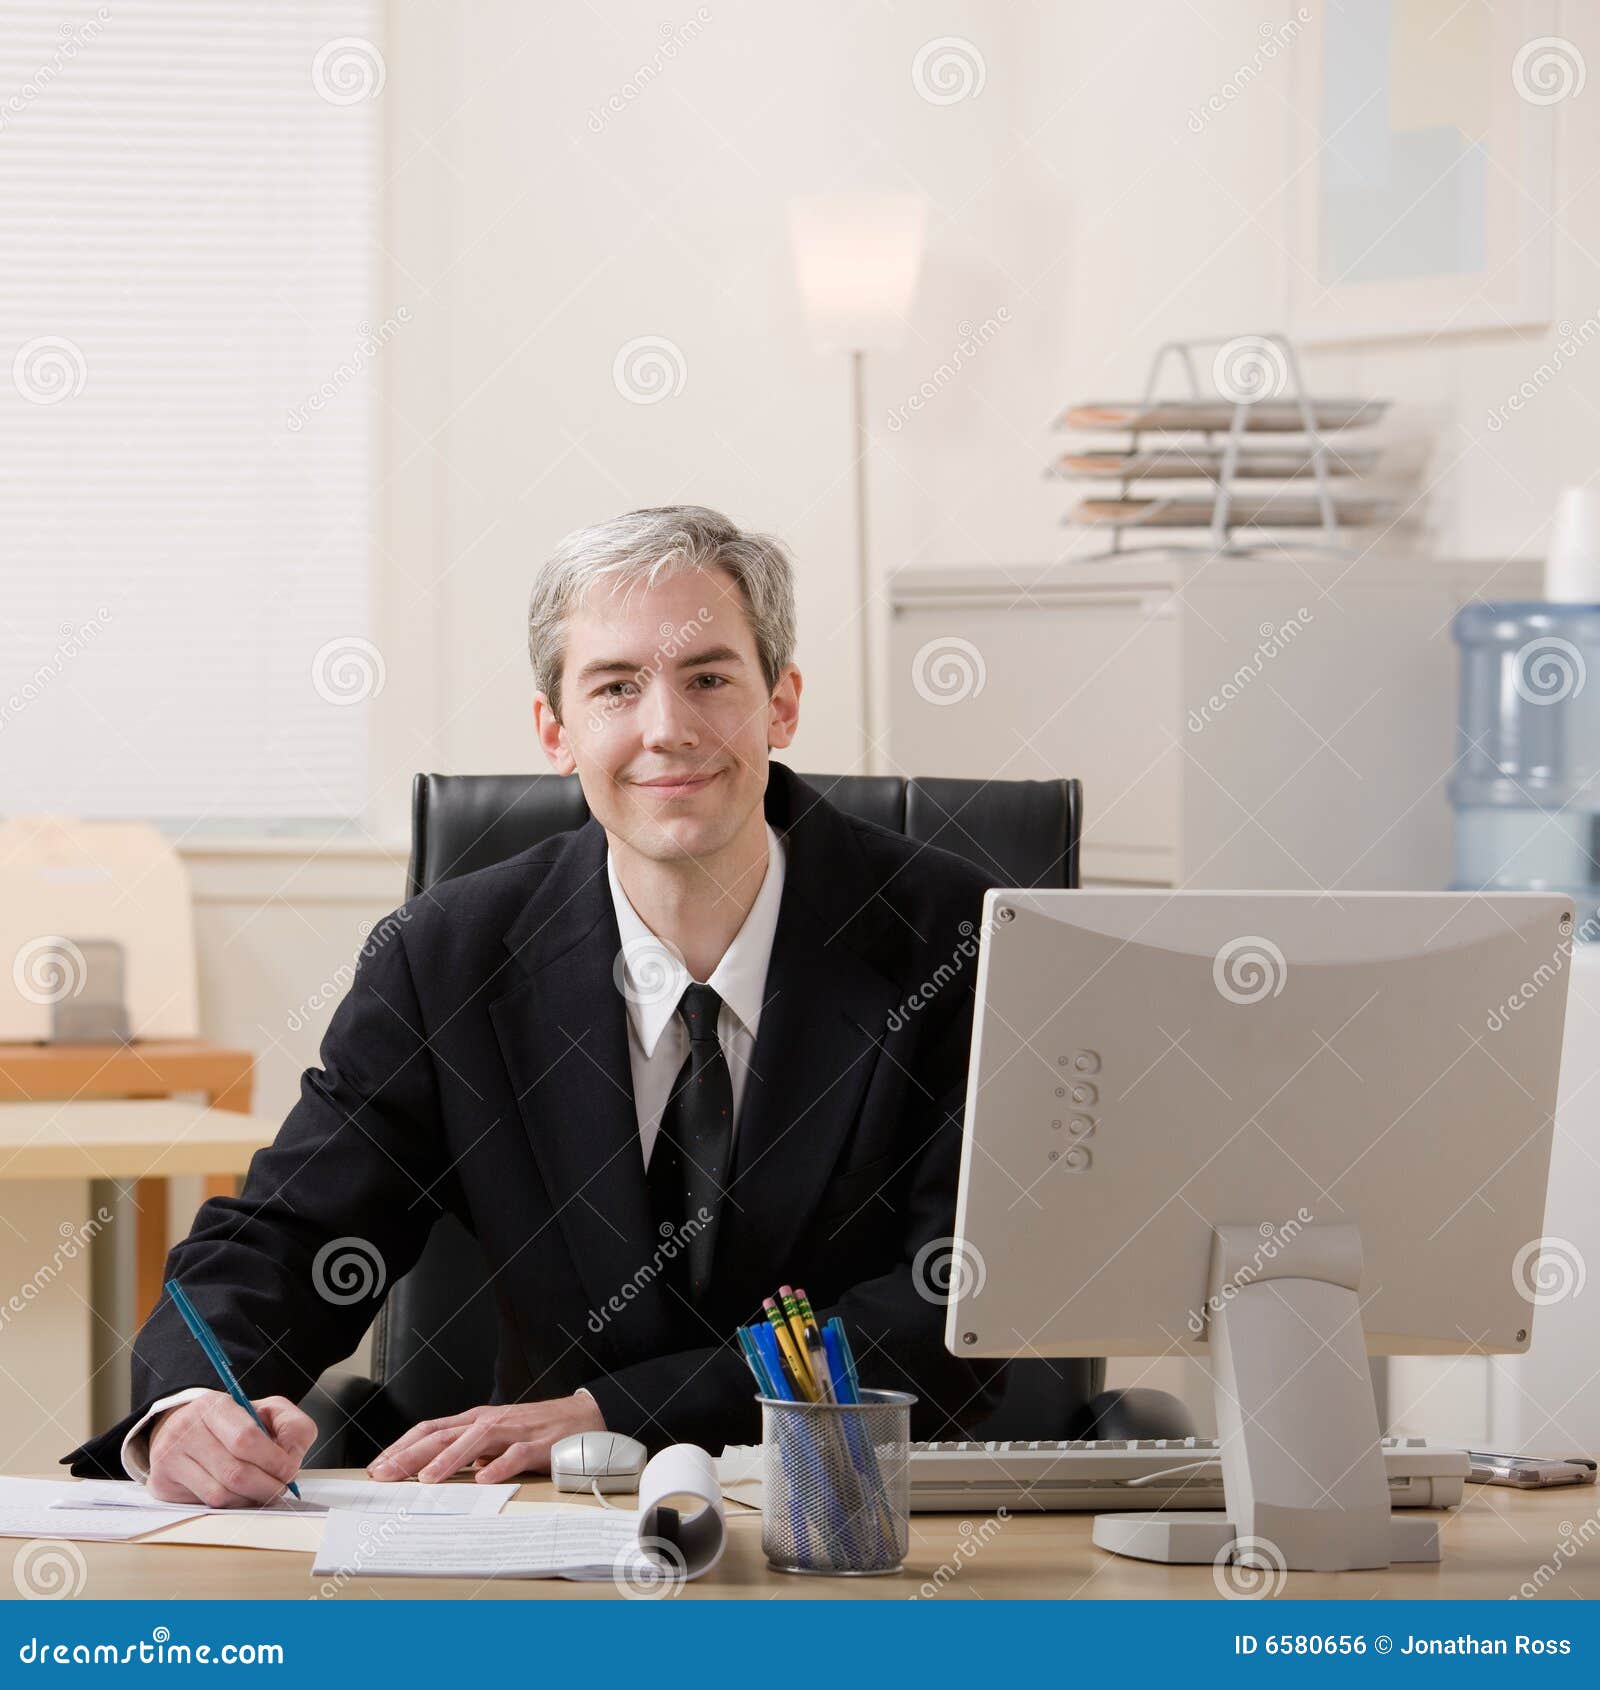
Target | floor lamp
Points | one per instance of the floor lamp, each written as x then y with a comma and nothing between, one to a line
856,260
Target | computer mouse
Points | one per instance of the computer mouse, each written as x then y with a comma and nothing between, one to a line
598,1461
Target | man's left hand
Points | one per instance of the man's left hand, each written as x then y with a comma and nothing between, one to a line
503,1439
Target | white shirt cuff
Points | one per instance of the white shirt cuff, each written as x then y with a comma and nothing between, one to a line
136,1446
581,1392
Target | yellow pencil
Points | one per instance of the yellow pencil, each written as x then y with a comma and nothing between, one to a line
791,1355
797,1330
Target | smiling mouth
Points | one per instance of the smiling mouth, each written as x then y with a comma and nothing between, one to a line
684,786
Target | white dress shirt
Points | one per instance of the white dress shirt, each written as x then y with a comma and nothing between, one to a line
654,976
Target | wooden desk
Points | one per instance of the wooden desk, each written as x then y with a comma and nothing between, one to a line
1493,1543
147,1068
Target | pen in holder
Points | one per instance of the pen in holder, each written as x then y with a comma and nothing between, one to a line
836,1492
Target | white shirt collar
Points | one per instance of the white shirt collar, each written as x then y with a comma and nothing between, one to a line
655,975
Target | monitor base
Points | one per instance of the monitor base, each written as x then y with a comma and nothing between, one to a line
1180,1539
1303,1481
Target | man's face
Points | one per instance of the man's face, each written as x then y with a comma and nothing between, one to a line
665,714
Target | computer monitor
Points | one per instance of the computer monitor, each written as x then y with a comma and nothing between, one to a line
1275,1130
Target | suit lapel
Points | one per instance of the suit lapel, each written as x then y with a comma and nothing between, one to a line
563,1033
822,1029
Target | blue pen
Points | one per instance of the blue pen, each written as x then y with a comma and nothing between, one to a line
207,1340
754,1362
767,1343
842,1385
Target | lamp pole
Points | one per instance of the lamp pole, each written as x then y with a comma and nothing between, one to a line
858,411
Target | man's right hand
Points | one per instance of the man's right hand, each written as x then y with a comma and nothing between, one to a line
210,1451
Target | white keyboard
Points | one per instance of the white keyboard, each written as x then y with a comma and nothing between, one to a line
1096,1477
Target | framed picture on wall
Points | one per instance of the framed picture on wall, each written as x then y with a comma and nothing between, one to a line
1424,167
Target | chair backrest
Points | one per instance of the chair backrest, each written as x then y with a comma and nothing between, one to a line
435,1338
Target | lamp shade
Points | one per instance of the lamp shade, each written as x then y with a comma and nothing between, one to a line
856,258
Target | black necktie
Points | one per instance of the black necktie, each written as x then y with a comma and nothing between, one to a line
689,1162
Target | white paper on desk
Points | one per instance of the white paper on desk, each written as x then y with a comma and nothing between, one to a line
549,1540
29,1508
317,1496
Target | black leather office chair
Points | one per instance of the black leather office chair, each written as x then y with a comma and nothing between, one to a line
434,1346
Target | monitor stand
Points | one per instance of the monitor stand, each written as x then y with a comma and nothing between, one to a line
1303,1478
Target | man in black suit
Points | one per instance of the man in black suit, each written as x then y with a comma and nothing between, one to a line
714,1040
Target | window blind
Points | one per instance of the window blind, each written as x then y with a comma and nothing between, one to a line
188,367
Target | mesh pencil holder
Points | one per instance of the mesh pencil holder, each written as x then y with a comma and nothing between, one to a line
837,1484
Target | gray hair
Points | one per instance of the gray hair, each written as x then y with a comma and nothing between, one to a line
641,547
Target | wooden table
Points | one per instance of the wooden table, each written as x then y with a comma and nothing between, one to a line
146,1069
1493,1544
